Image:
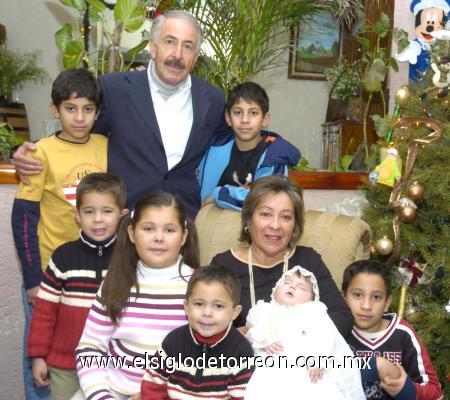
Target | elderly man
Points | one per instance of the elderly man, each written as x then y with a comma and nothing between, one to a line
159,121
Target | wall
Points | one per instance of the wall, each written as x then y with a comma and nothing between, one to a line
11,311
31,25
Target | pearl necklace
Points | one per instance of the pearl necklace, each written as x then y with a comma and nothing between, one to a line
250,272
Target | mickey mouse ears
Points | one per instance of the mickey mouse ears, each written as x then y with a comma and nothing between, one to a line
418,5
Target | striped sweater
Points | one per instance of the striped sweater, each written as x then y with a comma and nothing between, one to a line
74,274
113,356
174,377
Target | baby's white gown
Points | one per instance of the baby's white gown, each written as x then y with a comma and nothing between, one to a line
304,330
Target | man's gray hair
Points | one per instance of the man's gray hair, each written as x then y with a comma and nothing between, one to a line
160,19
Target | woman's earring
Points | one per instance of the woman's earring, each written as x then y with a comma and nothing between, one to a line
246,230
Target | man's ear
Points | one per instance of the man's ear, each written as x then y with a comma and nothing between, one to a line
151,49
54,110
266,120
227,118
388,303
76,213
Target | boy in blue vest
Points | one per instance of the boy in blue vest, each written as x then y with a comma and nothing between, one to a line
236,159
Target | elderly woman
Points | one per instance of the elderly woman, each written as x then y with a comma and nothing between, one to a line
272,223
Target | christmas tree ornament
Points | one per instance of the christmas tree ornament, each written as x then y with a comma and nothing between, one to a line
411,272
405,202
412,314
388,170
402,96
430,16
384,246
407,214
373,251
415,191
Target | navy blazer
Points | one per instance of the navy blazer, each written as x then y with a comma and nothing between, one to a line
135,148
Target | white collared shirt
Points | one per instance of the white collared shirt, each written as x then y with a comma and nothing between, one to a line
174,117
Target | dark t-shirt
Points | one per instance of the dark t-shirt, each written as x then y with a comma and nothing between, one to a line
241,164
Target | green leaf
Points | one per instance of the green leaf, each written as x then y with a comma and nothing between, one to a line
79,5
137,49
382,26
346,160
381,125
131,13
96,9
393,63
63,37
374,76
73,54
364,42
68,3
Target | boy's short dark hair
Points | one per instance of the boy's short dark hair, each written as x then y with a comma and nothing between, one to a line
102,183
249,91
79,82
220,275
368,267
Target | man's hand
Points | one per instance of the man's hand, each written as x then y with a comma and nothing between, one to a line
40,373
315,374
393,385
274,348
31,295
26,166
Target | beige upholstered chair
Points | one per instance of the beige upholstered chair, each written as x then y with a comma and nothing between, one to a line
338,238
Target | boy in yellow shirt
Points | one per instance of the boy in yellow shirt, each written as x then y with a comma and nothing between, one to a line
43,211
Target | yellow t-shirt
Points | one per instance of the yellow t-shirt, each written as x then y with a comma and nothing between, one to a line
64,165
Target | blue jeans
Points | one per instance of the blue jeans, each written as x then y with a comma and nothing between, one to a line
32,392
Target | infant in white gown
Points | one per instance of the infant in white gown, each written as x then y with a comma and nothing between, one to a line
299,321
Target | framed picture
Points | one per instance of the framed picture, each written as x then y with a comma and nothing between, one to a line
316,45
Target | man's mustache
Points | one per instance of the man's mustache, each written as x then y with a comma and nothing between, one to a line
175,63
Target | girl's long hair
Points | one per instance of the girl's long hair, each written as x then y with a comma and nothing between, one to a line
122,273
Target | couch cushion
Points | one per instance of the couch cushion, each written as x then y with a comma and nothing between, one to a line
338,238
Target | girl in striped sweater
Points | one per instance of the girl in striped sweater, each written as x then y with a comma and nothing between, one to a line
141,298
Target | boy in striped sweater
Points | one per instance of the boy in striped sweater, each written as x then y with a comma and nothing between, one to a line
208,358
367,289
70,283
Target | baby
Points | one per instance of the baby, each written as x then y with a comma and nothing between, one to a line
292,332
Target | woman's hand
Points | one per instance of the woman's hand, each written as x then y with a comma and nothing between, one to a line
26,166
315,374
136,396
274,348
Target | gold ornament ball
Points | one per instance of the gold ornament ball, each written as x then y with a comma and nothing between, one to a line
384,246
412,315
407,214
415,191
373,251
402,95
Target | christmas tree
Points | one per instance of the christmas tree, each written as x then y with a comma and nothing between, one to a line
414,215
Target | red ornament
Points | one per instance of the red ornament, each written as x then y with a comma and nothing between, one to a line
409,264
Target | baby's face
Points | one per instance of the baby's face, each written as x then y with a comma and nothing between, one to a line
294,290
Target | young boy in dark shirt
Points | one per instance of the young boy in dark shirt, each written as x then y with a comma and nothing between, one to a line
237,159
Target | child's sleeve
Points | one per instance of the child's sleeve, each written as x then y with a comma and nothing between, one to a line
154,382
233,197
24,220
239,381
418,366
260,333
93,346
45,312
